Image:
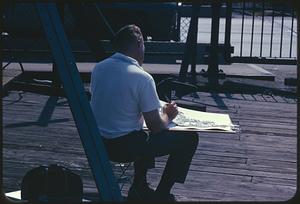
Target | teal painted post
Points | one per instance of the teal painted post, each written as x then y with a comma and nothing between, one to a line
80,107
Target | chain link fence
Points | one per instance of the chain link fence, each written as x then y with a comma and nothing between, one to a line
184,28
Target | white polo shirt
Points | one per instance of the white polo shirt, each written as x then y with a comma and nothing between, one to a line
121,90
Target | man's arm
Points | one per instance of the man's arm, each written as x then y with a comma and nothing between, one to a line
156,122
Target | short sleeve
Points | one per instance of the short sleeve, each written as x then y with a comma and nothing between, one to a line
148,99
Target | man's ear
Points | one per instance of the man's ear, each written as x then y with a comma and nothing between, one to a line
139,43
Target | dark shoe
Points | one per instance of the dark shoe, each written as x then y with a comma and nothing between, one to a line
140,194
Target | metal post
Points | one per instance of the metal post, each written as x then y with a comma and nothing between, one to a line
213,64
262,28
292,30
194,44
252,30
298,57
281,33
3,93
178,23
56,82
55,78
272,28
190,45
242,31
84,119
228,31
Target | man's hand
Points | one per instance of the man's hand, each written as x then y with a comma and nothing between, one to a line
156,122
171,110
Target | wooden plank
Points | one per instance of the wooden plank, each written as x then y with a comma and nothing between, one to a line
268,140
274,181
219,183
218,136
268,120
274,126
247,192
277,163
259,130
268,169
229,147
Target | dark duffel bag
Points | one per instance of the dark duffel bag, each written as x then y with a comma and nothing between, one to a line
50,184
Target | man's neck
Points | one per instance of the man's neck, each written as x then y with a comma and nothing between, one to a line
132,55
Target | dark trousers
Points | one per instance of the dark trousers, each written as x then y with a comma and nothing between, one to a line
141,148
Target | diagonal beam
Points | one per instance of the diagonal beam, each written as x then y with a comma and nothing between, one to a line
81,110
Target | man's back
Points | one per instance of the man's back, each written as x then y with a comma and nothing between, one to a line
121,91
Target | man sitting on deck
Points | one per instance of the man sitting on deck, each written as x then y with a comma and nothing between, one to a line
123,96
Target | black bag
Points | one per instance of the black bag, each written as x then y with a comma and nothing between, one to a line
51,183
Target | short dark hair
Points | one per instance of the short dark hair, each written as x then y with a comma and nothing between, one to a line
126,36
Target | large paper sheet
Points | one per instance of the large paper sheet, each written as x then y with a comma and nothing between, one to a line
191,120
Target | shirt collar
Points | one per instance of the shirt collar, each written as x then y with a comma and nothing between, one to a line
125,58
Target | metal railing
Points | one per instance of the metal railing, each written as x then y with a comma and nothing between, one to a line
260,32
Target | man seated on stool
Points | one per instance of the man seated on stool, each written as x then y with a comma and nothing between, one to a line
123,95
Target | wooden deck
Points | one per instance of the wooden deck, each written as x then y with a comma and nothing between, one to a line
257,164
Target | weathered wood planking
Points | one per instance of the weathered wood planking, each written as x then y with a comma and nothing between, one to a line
257,164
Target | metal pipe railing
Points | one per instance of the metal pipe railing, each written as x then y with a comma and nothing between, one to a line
242,31
252,29
262,28
272,29
292,30
265,32
228,29
281,34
